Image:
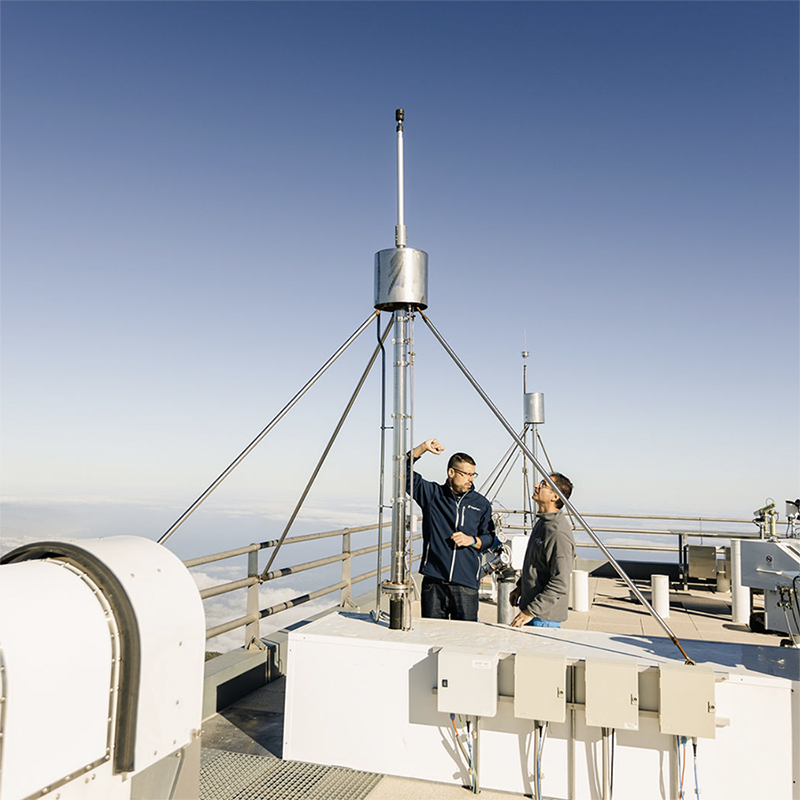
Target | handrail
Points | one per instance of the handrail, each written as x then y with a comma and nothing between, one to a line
241,621
307,537
647,516
252,582
685,519
225,627
223,588
657,532
239,551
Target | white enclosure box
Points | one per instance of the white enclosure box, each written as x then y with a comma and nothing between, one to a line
171,622
702,561
768,564
774,566
687,701
43,701
612,694
519,544
467,681
540,687
757,690
109,707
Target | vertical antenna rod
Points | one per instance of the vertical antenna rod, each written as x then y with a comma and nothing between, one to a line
401,286
400,228
527,487
399,616
525,355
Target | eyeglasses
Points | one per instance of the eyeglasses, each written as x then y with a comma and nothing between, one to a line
465,474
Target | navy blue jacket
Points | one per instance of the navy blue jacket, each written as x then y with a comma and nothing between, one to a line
444,513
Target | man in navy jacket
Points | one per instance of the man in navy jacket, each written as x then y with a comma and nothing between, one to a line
456,527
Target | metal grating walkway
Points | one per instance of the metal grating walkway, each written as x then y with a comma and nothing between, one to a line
239,776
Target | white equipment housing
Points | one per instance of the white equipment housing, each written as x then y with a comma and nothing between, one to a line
510,680
101,671
774,566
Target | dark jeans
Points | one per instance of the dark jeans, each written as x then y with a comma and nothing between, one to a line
444,600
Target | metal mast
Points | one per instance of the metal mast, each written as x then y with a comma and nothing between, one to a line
527,483
401,286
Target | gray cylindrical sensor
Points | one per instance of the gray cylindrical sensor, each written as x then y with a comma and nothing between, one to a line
534,408
401,278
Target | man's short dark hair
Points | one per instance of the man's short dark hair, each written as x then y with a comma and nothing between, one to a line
460,458
563,483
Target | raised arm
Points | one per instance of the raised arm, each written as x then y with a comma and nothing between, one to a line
428,446
414,479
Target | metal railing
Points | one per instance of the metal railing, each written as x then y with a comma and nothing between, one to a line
736,529
683,534
254,614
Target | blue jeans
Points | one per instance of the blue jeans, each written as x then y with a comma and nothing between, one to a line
444,600
543,623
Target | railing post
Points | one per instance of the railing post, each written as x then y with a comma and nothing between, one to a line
345,597
684,561
252,631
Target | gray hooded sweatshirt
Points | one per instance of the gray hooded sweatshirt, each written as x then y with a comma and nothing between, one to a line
546,571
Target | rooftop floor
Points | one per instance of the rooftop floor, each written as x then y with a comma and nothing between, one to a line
694,614
242,745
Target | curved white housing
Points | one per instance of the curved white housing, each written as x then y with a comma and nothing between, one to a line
89,671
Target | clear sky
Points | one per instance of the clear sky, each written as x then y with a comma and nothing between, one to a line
193,193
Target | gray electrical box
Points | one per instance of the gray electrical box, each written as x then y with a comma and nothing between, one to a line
540,687
702,561
612,694
687,701
467,681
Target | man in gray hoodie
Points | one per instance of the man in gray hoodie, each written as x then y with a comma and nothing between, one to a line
542,591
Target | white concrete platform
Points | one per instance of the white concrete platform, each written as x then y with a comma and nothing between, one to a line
361,696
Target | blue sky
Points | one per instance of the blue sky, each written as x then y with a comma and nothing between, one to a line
193,193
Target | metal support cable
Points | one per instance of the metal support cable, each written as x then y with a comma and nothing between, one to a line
527,490
544,450
282,413
550,464
336,431
506,476
487,485
583,523
494,475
